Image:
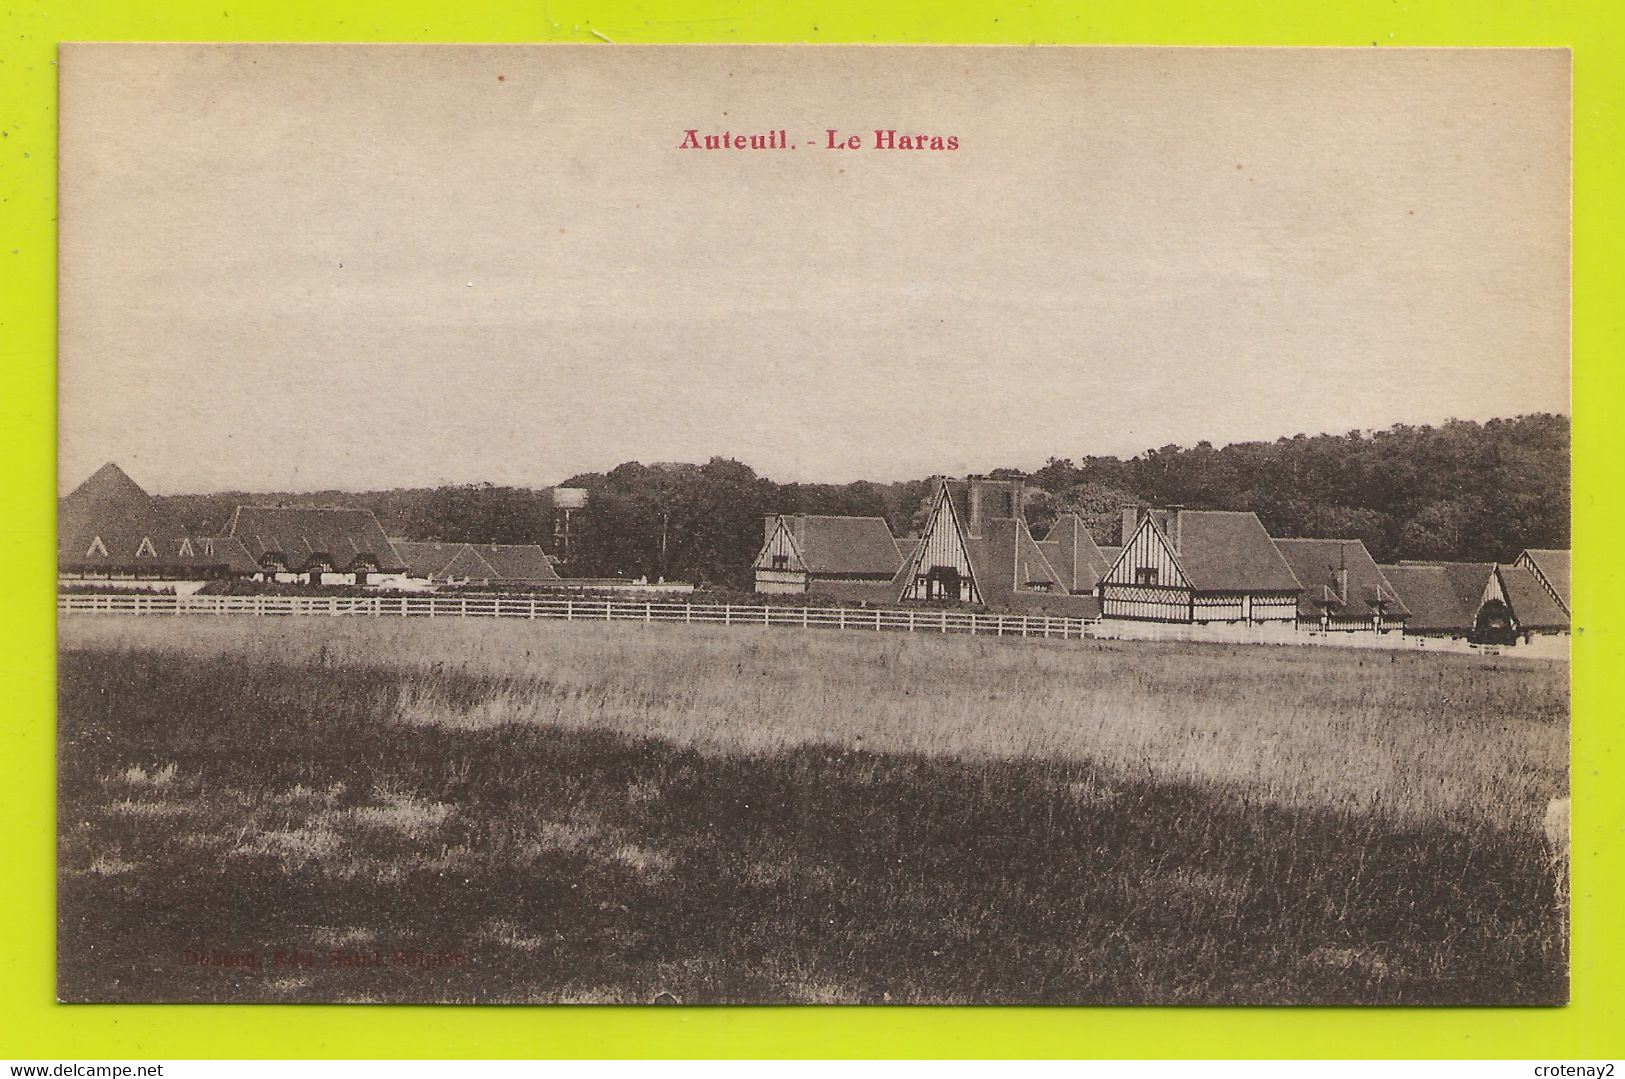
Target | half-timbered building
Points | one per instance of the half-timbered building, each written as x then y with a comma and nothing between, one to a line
319,544
1481,601
976,549
1551,569
1532,608
842,557
1343,588
1180,565
110,529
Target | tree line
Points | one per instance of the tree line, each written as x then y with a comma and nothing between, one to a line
1462,490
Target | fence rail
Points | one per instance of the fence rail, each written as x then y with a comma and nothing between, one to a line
584,610
554,608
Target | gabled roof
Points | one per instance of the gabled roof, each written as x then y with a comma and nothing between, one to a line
517,561
109,524
431,560
861,546
1007,565
1533,607
1553,566
1225,551
1110,552
1315,563
296,533
907,545
1073,555
1441,596
1007,561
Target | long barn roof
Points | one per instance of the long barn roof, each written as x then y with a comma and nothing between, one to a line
297,533
852,546
1225,551
1315,562
109,524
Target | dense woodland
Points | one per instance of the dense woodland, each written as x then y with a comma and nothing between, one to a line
1462,490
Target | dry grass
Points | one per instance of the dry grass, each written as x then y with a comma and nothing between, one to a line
608,812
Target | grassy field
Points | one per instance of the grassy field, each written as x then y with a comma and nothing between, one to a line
331,809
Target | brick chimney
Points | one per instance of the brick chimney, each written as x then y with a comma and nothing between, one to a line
1131,520
1176,521
1342,575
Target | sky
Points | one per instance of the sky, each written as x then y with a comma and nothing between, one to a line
359,267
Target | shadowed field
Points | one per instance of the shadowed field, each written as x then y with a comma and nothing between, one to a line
345,810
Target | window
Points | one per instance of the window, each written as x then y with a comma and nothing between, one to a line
781,561
1145,575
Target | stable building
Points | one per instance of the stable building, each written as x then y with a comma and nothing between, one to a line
435,564
1343,588
517,564
1074,556
110,529
1532,607
843,557
976,549
1551,569
1191,566
321,545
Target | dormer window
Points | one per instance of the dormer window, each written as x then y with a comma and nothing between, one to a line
1146,575
781,561
96,549
146,550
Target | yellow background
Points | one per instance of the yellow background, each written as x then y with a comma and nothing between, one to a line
33,1027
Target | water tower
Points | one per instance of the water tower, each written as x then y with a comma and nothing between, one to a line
566,500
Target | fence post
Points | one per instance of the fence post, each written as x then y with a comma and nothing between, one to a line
942,621
533,606
648,612
569,610
877,619
804,615
843,617
688,613
727,614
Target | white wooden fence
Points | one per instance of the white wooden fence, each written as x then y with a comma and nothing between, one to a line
584,610
430,605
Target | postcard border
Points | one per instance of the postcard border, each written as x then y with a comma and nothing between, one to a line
43,1029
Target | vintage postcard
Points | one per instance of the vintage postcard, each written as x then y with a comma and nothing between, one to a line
814,525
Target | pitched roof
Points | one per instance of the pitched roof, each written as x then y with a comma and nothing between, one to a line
1225,551
1073,555
844,545
1008,566
296,533
1315,563
1532,606
1441,596
440,560
109,524
1554,567
1007,562
518,561
907,545
1109,552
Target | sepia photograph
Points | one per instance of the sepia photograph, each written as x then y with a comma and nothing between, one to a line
605,524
